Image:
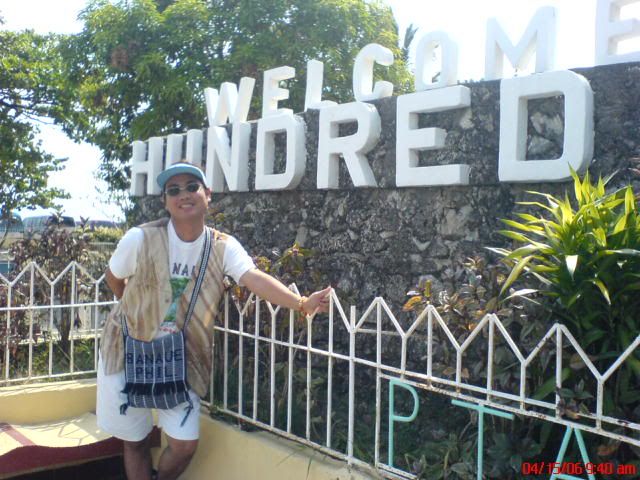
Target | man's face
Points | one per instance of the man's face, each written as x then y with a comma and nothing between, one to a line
186,205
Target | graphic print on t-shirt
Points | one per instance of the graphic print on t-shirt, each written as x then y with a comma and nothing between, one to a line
182,270
181,274
182,263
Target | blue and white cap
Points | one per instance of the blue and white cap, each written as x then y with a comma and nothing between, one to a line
178,169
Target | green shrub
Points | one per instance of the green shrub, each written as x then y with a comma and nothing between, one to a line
585,254
104,234
507,443
52,250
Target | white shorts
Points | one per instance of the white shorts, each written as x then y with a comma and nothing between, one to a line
137,423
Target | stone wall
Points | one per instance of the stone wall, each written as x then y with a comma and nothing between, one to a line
381,241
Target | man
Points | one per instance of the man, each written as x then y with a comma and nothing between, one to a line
153,273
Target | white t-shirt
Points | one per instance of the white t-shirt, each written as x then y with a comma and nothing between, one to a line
183,259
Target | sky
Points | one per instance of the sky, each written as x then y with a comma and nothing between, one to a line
78,177
464,21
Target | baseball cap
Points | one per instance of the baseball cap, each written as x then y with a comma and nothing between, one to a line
178,169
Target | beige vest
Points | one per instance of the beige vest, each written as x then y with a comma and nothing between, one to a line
147,297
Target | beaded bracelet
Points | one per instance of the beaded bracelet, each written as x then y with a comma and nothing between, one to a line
301,301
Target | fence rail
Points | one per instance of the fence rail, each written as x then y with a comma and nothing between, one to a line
262,352
520,403
35,301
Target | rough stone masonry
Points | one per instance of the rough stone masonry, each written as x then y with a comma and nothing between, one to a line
382,241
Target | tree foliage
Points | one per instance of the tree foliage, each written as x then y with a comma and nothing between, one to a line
139,67
31,88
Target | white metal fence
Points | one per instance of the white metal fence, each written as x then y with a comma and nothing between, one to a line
290,375
34,309
380,323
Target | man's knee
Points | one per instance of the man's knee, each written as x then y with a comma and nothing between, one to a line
184,449
136,447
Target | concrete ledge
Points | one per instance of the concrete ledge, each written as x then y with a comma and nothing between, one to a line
227,453
46,402
31,448
224,453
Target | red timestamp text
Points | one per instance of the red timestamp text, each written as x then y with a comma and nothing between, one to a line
577,468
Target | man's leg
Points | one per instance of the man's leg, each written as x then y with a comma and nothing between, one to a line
137,459
182,430
133,428
175,458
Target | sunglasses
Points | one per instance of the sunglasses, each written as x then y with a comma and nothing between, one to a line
174,190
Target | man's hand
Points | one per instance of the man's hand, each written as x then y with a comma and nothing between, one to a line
317,301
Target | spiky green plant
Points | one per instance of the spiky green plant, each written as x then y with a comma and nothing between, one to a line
585,254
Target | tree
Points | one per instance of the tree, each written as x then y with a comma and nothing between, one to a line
139,67
30,90
409,36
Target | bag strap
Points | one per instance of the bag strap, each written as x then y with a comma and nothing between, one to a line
206,251
123,322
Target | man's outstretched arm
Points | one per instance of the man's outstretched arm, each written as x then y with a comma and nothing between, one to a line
274,291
